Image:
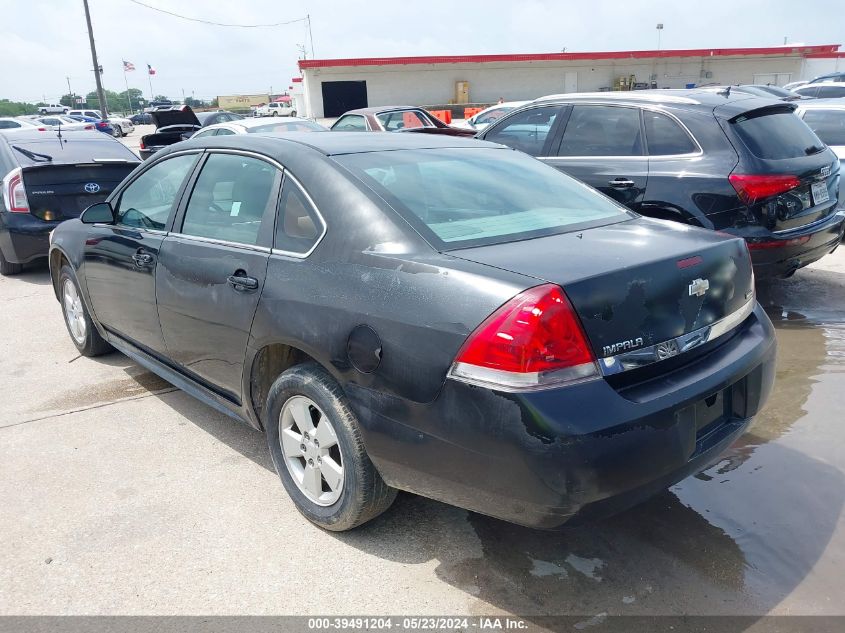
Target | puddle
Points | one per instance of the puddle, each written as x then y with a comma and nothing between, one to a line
103,392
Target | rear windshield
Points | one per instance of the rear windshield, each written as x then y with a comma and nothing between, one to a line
286,126
72,148
776,134
829,125
458,198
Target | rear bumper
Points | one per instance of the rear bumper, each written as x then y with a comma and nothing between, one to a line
23,237
547,458
821,238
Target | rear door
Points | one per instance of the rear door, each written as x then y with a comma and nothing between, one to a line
121,258
602,145
213,265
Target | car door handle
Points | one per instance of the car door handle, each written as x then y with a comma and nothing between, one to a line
621,183
142,259
240,281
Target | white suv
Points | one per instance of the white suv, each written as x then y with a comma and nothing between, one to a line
53,108
276,108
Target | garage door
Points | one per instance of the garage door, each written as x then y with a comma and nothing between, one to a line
340,96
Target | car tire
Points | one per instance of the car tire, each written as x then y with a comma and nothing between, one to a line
293,113
7,268
307,395
79,325
117,132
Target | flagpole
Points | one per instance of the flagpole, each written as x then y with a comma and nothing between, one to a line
150,78
126,80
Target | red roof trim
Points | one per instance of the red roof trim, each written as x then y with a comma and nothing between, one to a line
803,51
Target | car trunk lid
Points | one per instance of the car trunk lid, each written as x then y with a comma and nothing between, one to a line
181,115
635,284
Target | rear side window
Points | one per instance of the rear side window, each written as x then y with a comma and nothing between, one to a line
406,120
230,199
776,134
8,125
350,123
665,136
602,131
526,131
298,226
809,91
828,125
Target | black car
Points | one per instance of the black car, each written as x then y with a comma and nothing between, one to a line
719,160
425,313
142,118
178,123
49,177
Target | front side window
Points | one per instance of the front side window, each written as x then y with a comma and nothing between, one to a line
224,131
230,199
147,202
665,136
596,130
829,125
403,120
458,198
350,123
526,131
298,226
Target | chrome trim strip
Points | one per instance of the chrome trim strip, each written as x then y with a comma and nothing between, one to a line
211,240
642,357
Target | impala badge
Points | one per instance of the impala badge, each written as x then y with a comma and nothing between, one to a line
698,287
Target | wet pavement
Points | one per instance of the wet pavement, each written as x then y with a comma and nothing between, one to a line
147,502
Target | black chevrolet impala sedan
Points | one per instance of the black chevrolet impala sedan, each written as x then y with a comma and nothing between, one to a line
432,314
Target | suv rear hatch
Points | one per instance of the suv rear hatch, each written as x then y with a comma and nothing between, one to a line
639,283
786,176
63,177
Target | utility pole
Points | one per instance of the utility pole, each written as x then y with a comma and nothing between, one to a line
70,92
100,94
310,36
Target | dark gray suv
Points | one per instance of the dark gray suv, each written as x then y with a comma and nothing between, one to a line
721,160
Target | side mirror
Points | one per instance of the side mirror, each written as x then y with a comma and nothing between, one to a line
100,213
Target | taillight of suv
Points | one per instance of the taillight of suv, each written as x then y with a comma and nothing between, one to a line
753,188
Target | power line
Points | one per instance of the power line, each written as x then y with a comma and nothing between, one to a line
212,23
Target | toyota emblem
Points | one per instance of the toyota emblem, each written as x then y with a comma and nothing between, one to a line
92,187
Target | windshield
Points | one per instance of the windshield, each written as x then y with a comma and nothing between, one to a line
829,125
458,198
287,126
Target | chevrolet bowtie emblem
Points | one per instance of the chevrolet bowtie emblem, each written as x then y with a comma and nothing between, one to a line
698,287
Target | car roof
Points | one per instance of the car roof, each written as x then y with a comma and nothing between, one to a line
338,143
823,104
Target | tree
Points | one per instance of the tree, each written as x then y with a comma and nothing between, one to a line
112,100
160,98
16,108
194,103
68,100
214,103
132,94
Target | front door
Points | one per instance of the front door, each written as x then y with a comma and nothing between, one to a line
121,258
212,268
603,147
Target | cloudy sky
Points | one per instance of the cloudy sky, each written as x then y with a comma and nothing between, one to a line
44,41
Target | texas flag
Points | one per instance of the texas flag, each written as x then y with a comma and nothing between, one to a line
151,70
128,66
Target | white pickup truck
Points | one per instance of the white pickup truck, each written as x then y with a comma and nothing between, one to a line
276,108
53,108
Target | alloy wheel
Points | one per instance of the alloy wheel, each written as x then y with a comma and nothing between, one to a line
74,312
311,450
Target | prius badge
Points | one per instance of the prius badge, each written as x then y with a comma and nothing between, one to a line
698,287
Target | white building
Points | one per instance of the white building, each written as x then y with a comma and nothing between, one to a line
332,86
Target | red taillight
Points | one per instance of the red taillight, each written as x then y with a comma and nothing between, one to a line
141,144
762,246
755,187
13,192
89,127
534,340
42,129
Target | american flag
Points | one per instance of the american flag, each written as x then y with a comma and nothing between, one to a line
151,70
128,66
